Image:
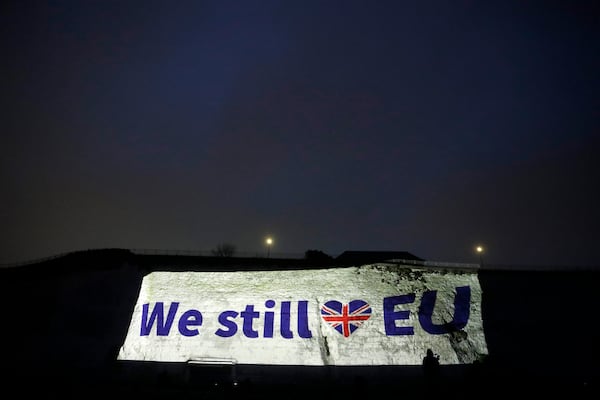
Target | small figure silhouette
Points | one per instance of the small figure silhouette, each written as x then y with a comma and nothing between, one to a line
431,365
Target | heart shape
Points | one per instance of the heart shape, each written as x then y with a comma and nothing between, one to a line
345,318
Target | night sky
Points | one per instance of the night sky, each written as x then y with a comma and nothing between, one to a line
420,126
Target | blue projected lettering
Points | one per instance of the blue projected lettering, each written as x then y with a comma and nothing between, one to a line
292,317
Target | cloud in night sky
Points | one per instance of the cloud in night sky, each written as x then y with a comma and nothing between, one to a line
426,127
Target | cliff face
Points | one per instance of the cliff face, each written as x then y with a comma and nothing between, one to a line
382,314
65,320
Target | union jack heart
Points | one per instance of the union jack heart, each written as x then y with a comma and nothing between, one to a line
345,318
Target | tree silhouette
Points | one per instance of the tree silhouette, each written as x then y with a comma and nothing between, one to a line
224,250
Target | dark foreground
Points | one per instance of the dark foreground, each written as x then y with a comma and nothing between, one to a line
356,387
64,320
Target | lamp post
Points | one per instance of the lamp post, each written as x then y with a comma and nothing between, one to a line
269,242
479,250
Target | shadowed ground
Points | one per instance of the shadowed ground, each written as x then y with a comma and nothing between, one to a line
63,321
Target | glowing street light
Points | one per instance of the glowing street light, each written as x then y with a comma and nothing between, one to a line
479,250
269,242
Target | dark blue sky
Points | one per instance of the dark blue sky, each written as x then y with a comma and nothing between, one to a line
426,127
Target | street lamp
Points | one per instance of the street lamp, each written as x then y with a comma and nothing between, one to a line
479,250
269,242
